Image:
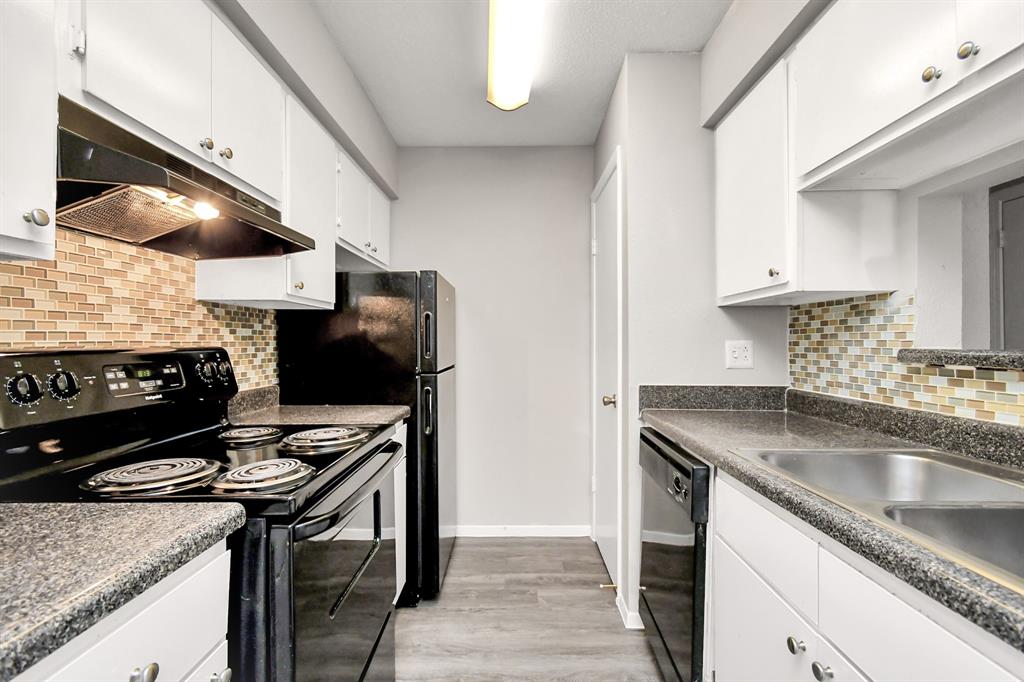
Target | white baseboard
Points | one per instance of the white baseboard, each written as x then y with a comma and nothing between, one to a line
661,538
630,619
522,531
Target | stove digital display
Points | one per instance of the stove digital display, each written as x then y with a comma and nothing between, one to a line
140,378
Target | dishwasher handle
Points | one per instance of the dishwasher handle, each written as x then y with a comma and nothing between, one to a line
683,476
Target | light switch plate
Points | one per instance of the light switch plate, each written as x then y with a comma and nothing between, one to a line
739,355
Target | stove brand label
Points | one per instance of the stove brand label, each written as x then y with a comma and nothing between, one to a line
155,396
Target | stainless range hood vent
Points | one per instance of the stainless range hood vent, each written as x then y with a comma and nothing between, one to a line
116,185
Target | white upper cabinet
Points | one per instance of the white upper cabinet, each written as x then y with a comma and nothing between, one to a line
28,128
863,66
310,205
248,114
777,246
985,31
752,189
152,61
380,225
174,67
299,280
353,203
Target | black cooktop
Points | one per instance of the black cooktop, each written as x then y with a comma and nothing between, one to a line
63,479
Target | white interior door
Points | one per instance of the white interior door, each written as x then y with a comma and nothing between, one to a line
606,294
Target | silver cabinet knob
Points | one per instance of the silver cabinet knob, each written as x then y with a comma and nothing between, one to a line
609,400
37,216
147,674
374,249
227,153
367,245
967,49
821,672
223,676
206,143
300,285
795,645
931,73
772,272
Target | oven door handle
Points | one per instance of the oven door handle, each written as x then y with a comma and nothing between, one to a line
319,524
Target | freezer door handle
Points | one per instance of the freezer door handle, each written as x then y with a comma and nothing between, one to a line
428,337
428,401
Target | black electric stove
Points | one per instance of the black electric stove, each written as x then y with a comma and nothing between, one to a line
151,426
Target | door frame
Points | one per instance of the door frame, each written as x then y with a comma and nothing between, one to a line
613,167
997,196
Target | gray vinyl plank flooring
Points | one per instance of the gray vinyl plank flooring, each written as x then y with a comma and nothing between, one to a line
521,609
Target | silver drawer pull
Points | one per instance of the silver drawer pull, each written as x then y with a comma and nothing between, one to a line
795,645
821,672
223,676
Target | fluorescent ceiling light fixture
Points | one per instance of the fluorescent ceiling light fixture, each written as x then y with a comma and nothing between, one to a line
513,44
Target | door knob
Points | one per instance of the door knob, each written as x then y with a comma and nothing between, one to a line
206,143
37,216
968,49
931,73
795,645
609,400
227,153
300,285
772,272
821,672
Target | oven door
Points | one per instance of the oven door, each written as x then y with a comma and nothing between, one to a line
337,591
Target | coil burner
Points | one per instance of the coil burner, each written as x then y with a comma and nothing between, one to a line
156,477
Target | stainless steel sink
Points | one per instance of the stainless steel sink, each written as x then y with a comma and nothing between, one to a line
967,510
897,475
992,533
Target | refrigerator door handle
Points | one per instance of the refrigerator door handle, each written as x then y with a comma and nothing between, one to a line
428,399
428,342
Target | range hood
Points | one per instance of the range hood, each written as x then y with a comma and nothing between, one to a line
114,184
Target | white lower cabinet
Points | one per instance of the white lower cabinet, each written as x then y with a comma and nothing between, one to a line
859,630
178,627
758,637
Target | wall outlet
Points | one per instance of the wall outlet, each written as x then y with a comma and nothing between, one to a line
739,355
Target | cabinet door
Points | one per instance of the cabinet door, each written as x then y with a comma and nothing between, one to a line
380,225
151,60
28,128
248,114
994,27
353,203
752,189
752,626
310,204
860,69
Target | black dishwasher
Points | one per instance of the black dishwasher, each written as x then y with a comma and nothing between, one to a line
675,517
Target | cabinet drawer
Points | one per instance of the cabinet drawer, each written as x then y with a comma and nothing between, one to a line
175,632
889,639
782,555
215,664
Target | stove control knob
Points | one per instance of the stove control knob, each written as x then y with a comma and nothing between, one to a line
24,390
206,371
63,385
224,370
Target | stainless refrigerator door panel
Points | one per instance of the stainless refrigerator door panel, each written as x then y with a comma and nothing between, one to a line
437,323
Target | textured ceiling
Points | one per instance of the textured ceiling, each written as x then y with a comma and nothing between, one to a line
424,63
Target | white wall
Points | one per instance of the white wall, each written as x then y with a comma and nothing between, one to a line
675,331
292,37
510,228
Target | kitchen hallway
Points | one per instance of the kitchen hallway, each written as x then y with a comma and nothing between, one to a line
522,609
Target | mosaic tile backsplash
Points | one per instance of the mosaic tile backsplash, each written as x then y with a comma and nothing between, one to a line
848,348
103,293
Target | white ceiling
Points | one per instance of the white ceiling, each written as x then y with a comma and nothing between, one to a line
424,64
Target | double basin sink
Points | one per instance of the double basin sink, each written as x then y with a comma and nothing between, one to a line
967,510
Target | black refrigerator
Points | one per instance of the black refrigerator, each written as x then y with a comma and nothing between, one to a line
390,340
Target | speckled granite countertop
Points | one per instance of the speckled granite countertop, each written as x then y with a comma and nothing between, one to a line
711,434
65,566
325,414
